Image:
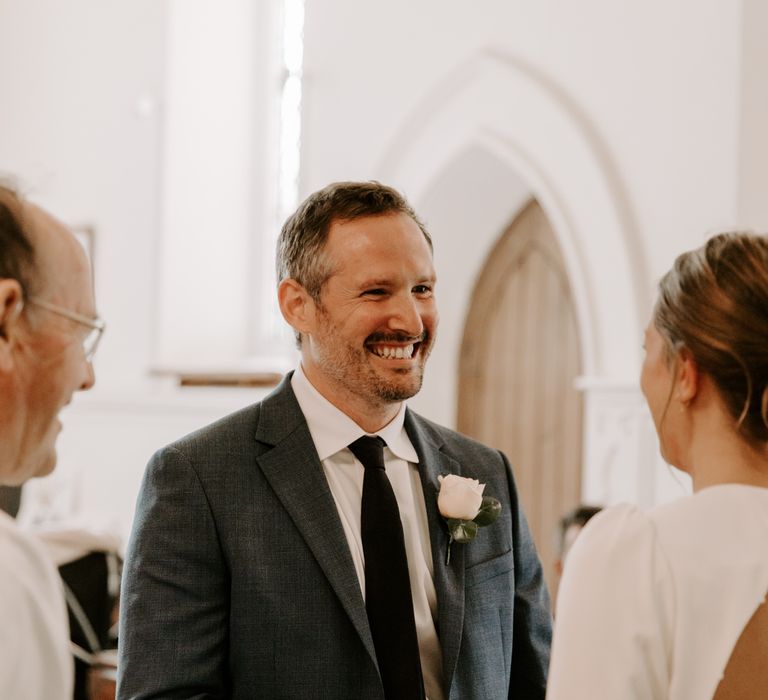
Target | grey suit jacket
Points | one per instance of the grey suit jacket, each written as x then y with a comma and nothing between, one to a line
239,582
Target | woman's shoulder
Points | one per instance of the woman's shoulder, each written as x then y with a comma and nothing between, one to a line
615,533
714,520
616,549
614,611
728,498
718,514
719,526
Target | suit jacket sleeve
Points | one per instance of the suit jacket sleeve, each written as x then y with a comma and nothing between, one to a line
533,619
174,600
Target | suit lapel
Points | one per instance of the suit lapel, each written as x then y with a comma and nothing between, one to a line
449,579
295,473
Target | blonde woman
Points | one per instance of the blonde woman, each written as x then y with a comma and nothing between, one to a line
670,603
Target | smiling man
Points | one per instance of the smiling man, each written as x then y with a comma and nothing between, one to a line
295,549
367,329
48,334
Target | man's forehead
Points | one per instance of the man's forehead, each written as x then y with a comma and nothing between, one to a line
371,219
378,272
374,250
346,234
48,234
60,258
376,278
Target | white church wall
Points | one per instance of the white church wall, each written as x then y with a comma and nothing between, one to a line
653,94
82,87
656,88
82,128
753,136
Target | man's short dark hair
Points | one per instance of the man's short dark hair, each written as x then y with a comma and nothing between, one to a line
17,254
303,236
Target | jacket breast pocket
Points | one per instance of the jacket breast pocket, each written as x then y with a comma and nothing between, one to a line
489,569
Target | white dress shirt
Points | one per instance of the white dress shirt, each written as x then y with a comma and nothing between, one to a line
35,661
332,431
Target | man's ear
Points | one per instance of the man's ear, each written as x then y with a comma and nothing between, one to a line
687,377
297,305
11,304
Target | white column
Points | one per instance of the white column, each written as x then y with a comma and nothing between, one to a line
621,461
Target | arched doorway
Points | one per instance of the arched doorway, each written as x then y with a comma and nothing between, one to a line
520,356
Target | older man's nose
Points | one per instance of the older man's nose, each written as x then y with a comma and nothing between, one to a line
90,377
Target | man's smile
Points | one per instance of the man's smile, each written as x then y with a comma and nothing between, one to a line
395,348
394,352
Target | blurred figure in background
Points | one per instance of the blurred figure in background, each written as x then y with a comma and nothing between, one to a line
571,525
48,333
671,603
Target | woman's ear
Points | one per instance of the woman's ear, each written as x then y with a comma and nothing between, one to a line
11,304
297,305
687,377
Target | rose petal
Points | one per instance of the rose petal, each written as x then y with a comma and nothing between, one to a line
460,498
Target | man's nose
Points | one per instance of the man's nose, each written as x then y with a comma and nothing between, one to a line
406,316
90,377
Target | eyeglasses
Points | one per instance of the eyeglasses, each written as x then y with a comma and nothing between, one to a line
97,326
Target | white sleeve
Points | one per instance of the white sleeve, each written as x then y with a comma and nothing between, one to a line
613,628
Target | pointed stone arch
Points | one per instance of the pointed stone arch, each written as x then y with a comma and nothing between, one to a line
499,104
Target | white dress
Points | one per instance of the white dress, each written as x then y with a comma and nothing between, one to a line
35,661
652,604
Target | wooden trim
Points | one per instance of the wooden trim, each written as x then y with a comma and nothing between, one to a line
236,379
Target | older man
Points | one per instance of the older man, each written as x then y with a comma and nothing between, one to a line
295,549
48,332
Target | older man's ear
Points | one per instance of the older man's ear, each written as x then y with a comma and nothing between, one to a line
296,305
11,304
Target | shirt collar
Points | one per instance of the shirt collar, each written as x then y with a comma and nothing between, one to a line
332,430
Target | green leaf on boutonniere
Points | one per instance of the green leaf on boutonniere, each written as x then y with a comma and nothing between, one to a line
489,511
462,531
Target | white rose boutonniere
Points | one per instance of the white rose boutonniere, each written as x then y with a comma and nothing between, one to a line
465,509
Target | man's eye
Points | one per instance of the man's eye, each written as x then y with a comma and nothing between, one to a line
422,289
374,292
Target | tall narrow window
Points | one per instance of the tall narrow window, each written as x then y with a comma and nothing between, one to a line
231,158
290,105
289,156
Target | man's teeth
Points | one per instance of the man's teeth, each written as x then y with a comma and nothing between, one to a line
393,353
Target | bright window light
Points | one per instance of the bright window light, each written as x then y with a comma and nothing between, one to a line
290,105
289,155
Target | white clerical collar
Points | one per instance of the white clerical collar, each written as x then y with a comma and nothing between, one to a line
332,430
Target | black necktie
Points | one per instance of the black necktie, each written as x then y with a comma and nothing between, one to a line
387,584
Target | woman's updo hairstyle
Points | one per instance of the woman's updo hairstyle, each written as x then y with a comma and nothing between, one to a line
714,302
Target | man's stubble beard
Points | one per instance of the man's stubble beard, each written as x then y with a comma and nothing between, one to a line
351,368
389,392
358,377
